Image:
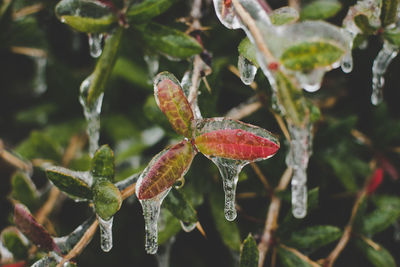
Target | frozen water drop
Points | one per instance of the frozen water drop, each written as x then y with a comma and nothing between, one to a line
92,114
226,14
152,65
229,169
95,46
381,63
311,81
297,158
347,62
106,239
39,82
247,70
188,227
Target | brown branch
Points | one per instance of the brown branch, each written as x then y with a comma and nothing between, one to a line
129,191
261,177
272,218
294,4
244,110
48,206
29,10
78,248
28,51
13,160
282,125
300,255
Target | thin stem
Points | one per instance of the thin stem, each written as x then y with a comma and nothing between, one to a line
244,109
294,4
300,255
129,191
28,51
261,177
29,10
13,160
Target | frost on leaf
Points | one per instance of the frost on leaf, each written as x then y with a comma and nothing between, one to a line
219,137
164,169
173,103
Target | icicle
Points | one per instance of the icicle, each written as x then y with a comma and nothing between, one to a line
95,46
92,114
229,170
311,81
151,213
381,63
106,240
297,158
39,82
164,253
226,14
152,65
188,227
247,70
347,62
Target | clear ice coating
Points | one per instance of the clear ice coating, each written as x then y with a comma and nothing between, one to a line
188,227
92,114
297,158
39,82
95,44
229,169
187,84
311,81
152,61
164,253
106,239
381,63
247,70
226,14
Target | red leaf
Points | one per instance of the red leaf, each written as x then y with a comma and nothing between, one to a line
235,140
16,264
388,167
164,169
375,181
173,103
33,230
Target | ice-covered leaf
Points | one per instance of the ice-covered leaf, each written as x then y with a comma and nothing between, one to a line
228,230
103,164
164,169
180,207
106,198
389,12
313,237
76,184
173,103
320,9
220,137
392,36
226,14
290,259
85,15
310,55
249,253
248,50
34,231
24,190
147,9
12,239
169,41
377,255
284,15
386,213
363,24
39,145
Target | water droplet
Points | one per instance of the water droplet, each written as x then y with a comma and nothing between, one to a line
106,239
381,63
95,44
188,227
152,65
229,169
39,82
247,70
92,114
347,62
297,158
311,81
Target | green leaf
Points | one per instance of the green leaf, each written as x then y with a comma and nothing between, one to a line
169,41
248,50
12,240
320,10
131,72
313,237
103,164
289,259
106,198
377,254
386,213
39,145
180,207
389,12
228,231
363,24
249,253
147,9
307,56
392,36
169,226
24,190
71,182
284,15
86,16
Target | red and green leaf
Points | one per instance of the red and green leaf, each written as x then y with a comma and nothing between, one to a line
173,103
235,140
33,230
164,169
